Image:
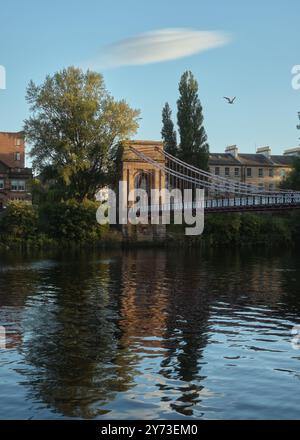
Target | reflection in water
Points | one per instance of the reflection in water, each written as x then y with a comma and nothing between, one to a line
150,334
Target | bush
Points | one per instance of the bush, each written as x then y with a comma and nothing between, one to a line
276,230
295,226
71,221
251,225
250,228
222,228
19,221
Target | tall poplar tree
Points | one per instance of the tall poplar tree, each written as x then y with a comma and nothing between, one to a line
194,147
168,133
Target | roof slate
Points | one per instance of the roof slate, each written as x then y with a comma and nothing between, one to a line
226,159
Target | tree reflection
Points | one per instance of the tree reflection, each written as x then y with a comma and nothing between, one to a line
71,342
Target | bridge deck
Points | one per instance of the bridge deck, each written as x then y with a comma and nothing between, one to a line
234,204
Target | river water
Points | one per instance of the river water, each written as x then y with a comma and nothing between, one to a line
150,334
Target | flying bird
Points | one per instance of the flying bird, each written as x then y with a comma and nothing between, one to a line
230,100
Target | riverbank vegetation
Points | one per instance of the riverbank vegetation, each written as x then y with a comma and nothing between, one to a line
68,224
246,229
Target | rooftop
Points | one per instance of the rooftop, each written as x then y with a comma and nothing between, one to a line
222,159
262,157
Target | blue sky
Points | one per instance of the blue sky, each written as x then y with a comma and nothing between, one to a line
37,38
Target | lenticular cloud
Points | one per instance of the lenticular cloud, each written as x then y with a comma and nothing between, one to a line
158,46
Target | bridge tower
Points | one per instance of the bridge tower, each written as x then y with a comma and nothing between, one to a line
140,174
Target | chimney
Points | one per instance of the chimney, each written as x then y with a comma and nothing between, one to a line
233,150
292,152
266,151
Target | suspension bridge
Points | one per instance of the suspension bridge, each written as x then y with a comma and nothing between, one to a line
148,166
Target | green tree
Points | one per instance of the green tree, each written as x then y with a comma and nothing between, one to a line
194,148
292,181
71,221
74,130
168,133
19,221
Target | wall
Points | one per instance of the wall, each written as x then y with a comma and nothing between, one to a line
8,148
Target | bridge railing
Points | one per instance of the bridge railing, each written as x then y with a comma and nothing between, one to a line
264,200
233,202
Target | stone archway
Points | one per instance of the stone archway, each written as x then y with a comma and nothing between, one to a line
143,175
133,166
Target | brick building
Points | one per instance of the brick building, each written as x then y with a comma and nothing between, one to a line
261,169
14,176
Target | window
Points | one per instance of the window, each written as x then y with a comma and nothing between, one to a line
261,186
249,172
271,172
18,142
1,183
18,185
260,172
17,156
271,187
217,171
227,171
236,172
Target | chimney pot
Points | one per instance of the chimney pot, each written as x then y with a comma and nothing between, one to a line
233,150
292,152
266,151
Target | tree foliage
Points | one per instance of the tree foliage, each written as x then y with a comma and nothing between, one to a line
168,133
194,148
71,221
248,228
74,131
292,181
19,220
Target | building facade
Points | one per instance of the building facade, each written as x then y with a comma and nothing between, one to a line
261,169
14,176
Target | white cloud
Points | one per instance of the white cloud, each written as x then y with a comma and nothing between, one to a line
157,46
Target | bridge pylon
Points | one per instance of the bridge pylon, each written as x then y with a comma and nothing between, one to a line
140,174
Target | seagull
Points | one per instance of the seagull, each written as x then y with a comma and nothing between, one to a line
230,100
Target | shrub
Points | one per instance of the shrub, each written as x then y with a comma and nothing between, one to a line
19,221
222,228
71,221
251,226
276,230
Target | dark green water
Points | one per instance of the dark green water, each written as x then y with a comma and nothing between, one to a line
150,334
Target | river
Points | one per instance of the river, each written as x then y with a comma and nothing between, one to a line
152,334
